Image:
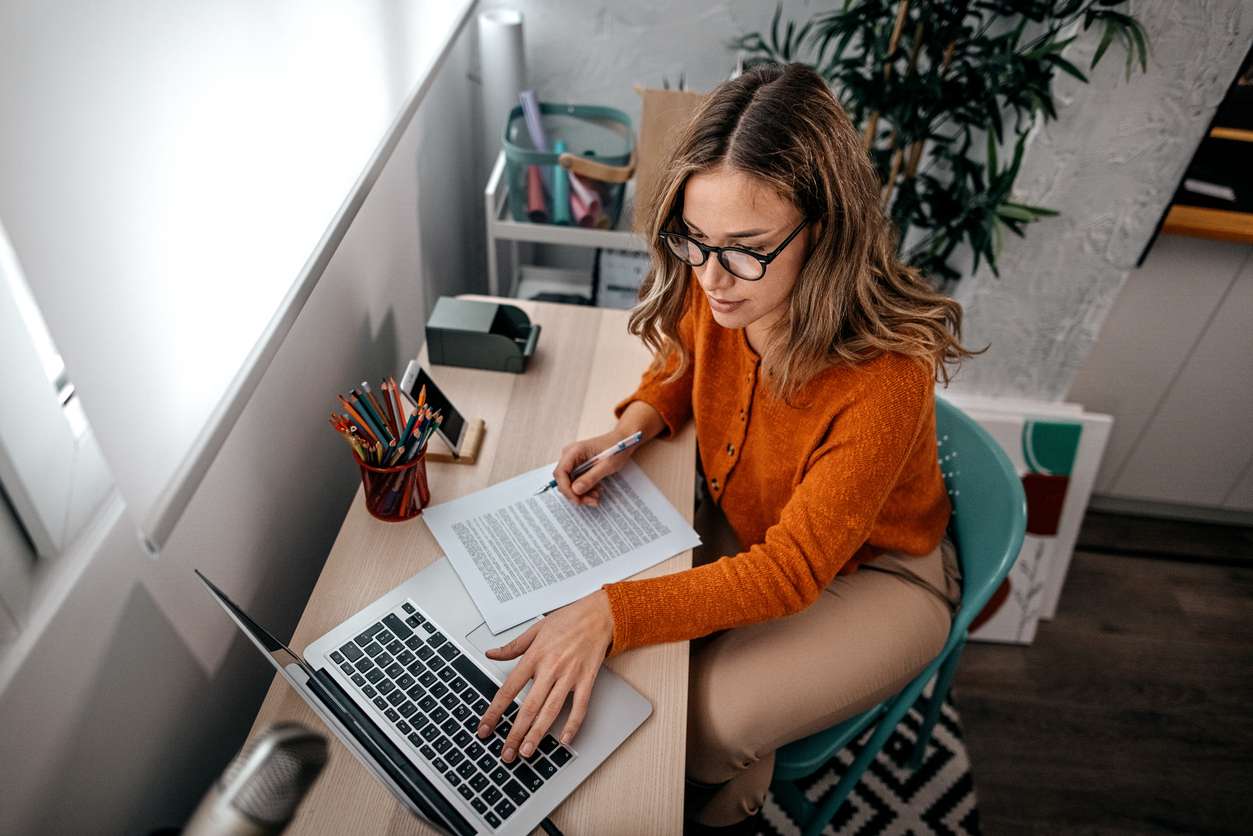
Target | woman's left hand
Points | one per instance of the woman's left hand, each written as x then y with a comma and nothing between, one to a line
563,653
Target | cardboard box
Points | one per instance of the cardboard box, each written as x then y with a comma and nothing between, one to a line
665,113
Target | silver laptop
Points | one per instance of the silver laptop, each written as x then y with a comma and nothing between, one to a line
403,684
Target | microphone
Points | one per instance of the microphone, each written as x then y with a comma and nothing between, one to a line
260,790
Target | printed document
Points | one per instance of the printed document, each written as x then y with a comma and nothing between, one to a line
520,554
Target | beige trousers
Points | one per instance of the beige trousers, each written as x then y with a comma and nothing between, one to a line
753,689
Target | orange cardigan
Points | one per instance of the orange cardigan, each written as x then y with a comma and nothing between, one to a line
812,489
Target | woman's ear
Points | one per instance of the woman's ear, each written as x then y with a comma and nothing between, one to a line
813,234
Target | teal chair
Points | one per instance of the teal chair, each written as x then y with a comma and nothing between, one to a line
987,527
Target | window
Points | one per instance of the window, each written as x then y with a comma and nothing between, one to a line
51,475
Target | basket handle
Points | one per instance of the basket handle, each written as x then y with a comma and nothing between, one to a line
587,167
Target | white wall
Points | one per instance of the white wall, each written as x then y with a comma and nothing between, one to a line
593,52
1173,365
116,715
1109,164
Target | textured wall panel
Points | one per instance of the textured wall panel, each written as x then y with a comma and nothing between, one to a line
1109,163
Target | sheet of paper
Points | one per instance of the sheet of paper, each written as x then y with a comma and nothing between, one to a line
520,555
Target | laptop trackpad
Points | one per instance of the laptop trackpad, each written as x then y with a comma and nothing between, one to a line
484,639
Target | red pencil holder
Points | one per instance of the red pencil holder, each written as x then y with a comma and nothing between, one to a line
395,494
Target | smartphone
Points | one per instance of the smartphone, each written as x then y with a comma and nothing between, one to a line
453,427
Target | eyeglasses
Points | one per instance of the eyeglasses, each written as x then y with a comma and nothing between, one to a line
738,261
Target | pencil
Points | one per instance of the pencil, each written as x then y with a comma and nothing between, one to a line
356,416
365,387
395,456
400,404
393,403
378,424
394,389
408,433
345,431
384,406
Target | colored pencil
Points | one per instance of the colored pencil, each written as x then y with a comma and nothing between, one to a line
394,389
387,430
365,387
388,412
367,411
359,418
393,403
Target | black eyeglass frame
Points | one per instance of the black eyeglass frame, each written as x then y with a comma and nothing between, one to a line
706,249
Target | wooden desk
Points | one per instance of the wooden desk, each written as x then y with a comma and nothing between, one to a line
584,363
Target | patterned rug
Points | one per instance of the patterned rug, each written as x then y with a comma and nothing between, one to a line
938,798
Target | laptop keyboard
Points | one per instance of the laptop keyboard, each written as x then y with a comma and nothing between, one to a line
434,695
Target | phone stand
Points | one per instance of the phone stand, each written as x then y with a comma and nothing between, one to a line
437,450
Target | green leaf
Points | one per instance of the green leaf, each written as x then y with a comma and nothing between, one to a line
1137,33
1106,39
994,116
1036,211
1016,213
1068,68
1129,47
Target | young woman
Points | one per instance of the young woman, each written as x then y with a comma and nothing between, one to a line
783,324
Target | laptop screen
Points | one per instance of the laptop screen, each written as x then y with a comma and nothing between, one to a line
279,654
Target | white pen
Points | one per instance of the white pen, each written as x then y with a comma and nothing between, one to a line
625,444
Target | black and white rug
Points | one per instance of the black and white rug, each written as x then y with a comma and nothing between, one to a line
938,798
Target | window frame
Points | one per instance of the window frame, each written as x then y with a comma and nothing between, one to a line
52,475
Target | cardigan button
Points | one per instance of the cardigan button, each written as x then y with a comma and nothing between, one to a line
713,483
742,415
730,449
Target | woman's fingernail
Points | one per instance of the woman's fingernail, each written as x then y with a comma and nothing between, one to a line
527,749
507,755
565,739
483,730
578,487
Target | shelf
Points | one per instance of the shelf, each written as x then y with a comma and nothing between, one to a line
1216,224
1237,134
568,236
501,226
530,278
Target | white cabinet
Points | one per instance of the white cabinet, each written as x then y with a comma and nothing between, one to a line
1174,366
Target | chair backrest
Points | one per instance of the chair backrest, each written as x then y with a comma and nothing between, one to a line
989,508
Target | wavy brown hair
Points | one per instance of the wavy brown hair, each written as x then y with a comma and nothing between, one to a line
853,299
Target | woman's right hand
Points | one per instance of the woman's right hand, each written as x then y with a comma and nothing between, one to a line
585,490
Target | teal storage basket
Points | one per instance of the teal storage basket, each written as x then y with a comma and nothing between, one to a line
599,151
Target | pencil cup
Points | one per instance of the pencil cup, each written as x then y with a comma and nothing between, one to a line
395,494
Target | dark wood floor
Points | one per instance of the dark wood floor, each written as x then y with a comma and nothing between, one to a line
1133,710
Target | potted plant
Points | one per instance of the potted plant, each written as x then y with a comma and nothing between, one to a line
938,88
